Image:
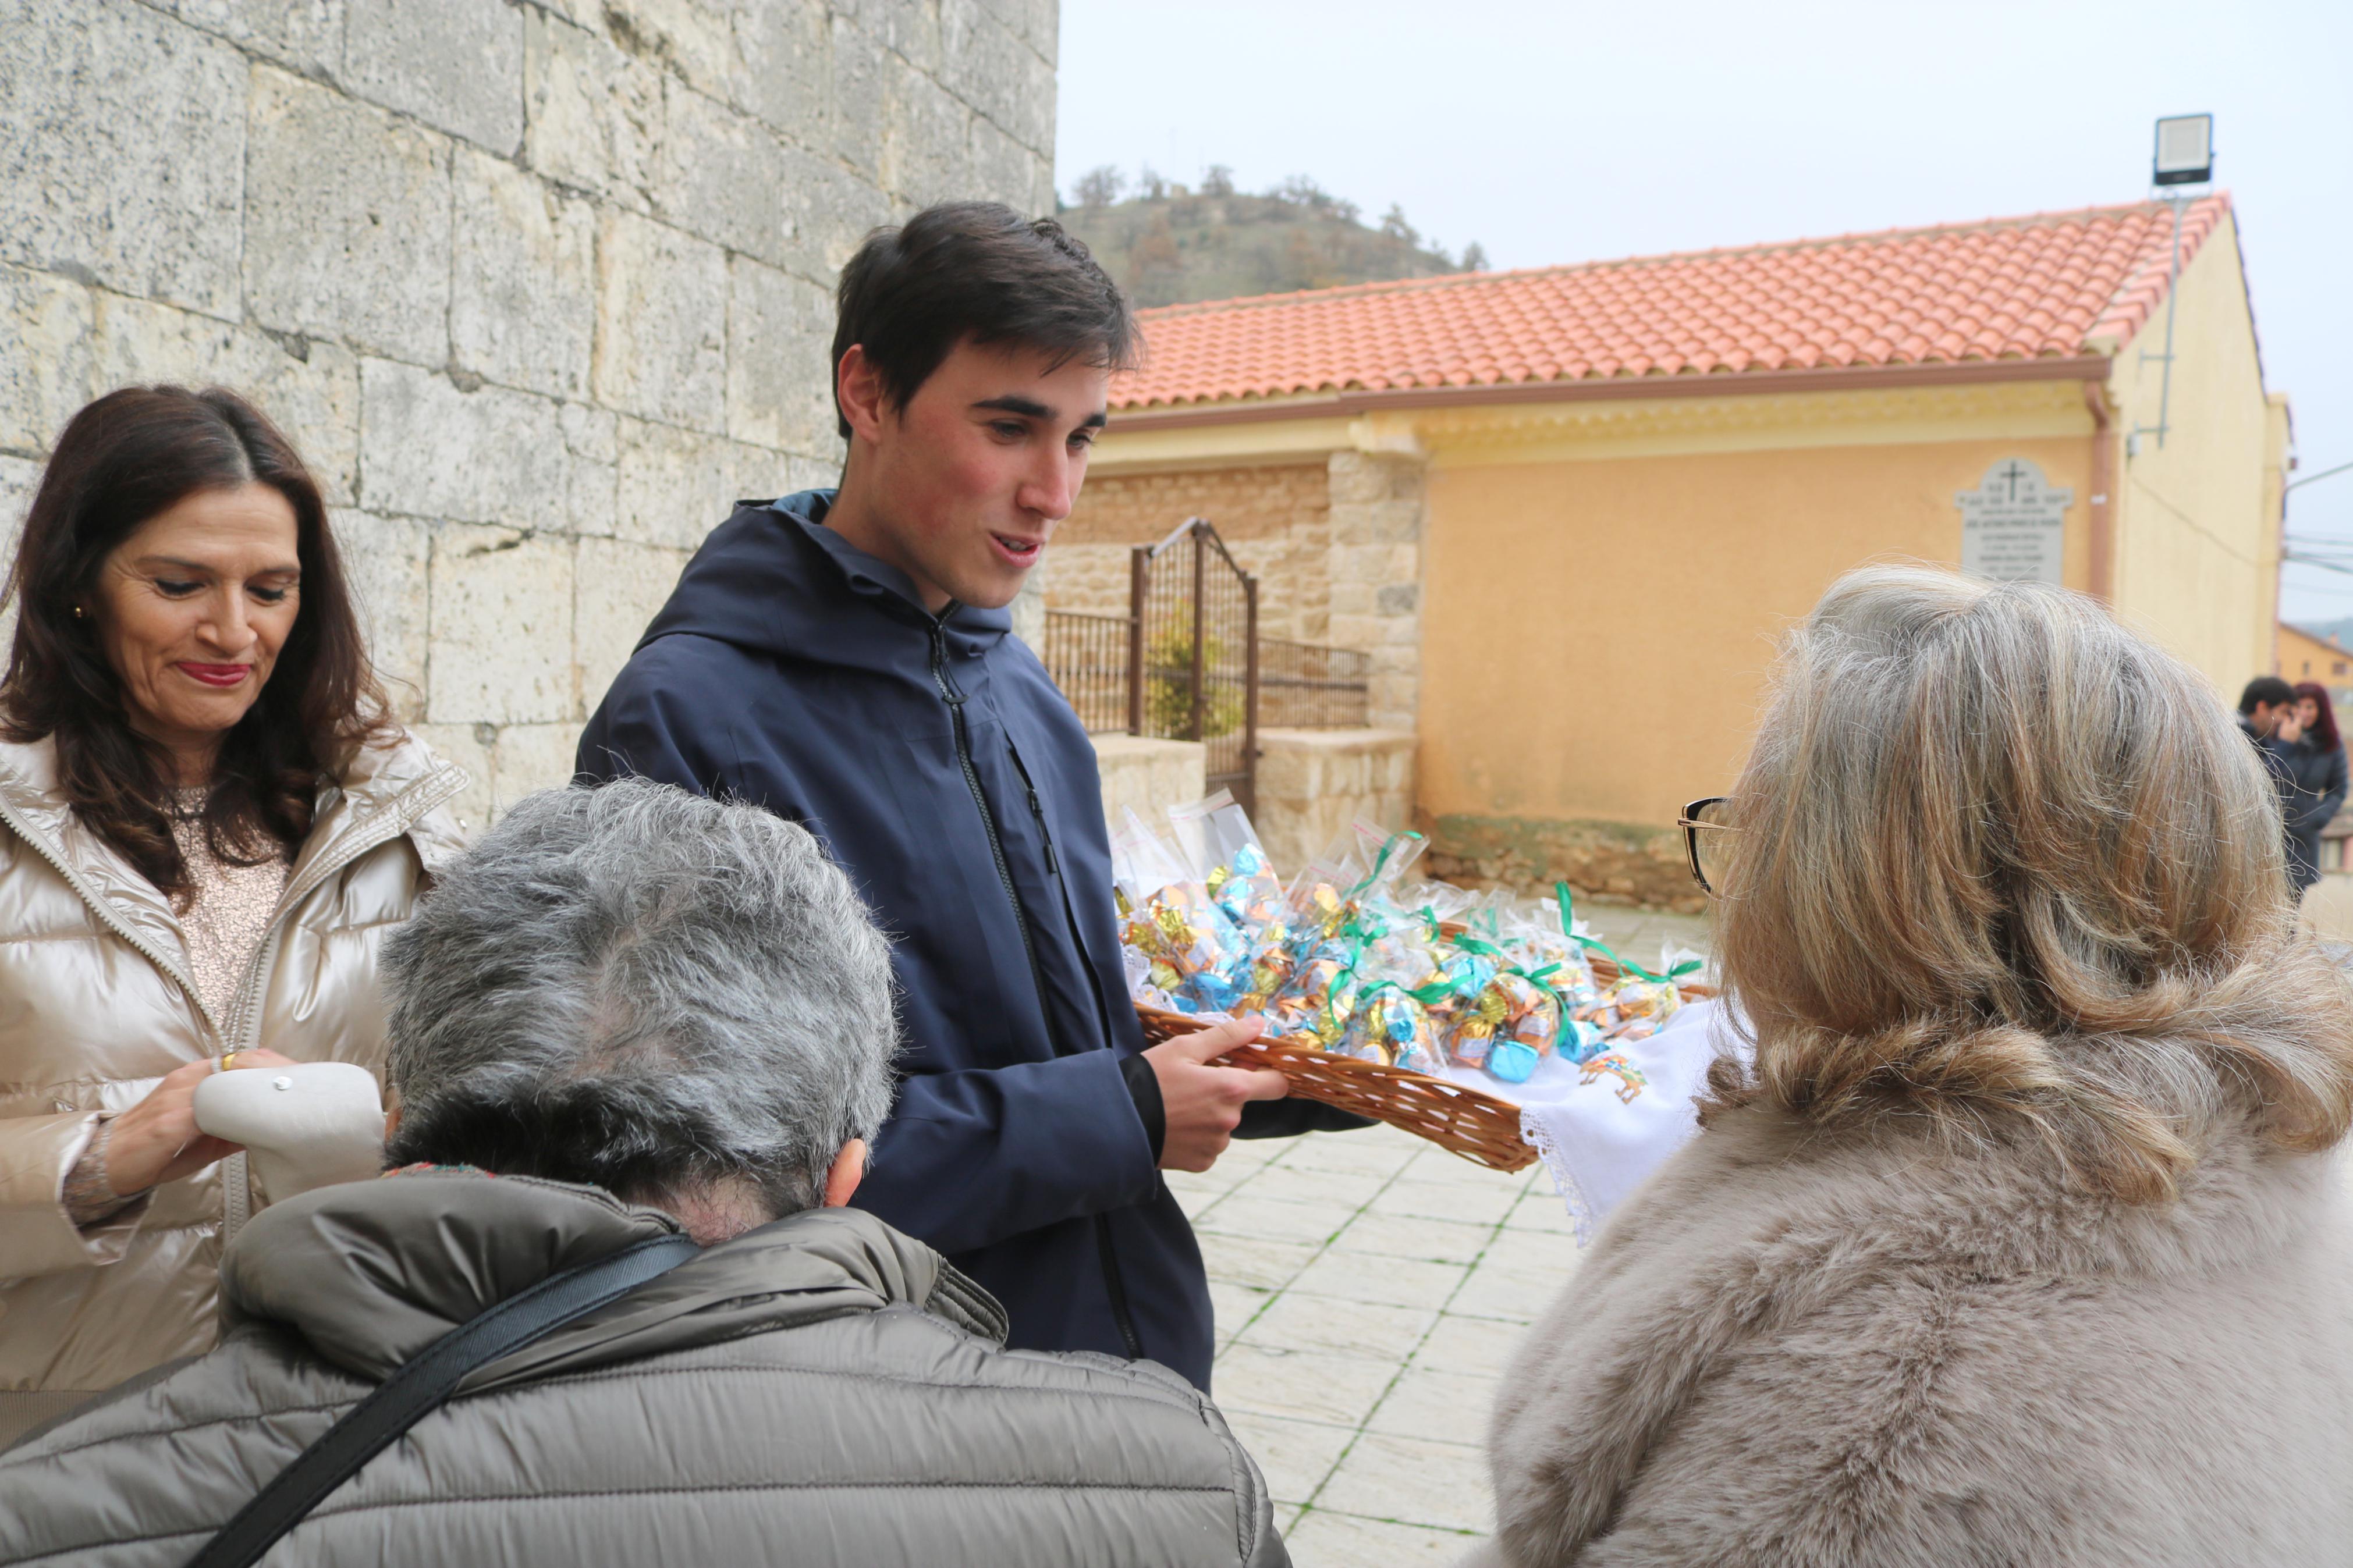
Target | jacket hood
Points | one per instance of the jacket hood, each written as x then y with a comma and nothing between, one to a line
370,1273
774,579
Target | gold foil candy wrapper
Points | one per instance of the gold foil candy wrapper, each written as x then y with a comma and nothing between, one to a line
1539,1027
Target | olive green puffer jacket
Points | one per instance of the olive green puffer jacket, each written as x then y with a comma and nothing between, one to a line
822,1390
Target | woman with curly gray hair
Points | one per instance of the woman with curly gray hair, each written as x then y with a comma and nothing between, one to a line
2015,1243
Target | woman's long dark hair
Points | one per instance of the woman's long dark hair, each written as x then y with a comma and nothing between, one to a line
2323,733
123,460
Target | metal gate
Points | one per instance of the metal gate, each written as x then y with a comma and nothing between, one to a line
1193,638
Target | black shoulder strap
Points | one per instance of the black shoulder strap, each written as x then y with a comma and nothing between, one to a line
422,1382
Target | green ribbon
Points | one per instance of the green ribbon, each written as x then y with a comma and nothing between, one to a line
1592,944
1382,859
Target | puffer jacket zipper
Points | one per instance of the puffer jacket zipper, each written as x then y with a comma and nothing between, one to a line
398,816
953,696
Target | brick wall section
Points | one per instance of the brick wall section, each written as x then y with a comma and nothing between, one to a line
1275,519
537,286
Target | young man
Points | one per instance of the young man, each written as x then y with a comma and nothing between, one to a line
2267,717
844,659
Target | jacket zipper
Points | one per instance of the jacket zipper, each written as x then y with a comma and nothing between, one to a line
398,815
953,695
950,693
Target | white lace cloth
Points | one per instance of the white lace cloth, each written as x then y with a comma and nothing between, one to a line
1602,1132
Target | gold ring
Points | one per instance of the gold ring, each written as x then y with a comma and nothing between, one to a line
228,1061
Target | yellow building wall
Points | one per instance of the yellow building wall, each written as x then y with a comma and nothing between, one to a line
2301,657
2197,525
1603,582
1596,633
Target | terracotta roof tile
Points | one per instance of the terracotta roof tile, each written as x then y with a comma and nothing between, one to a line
2028,288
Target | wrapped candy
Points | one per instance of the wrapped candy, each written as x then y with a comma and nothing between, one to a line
1642,1006
1173,922
1509,1026
1264,974
1393,1029
1476,1025
1579,1040
1216,834
1316,1002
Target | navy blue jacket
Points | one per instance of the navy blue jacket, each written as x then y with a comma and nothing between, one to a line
946,773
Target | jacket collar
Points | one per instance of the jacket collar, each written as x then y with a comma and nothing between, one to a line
376,779
865,573
369,1273
774,579
381,792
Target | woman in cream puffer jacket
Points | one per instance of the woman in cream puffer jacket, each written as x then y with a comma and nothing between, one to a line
177,554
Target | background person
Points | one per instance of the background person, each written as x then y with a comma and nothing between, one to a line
206,828
645,1012
844,658
2315,768
2016,1244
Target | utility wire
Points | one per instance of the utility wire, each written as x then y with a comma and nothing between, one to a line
2310,479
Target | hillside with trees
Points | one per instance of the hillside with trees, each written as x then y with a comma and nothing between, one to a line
1170,244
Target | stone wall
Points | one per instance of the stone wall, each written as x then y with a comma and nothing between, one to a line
538,286
1378,505
1311,783
1148,776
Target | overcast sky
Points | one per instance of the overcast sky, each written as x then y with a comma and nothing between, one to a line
1566,130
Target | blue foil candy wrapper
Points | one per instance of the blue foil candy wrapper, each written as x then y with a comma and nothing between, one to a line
1512,1060
1208,993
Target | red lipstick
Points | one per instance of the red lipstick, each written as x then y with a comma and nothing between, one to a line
220,675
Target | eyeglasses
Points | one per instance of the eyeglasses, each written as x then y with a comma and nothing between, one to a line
1705,833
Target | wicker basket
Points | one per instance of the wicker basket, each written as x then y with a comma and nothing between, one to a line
1478,1126
1474,1124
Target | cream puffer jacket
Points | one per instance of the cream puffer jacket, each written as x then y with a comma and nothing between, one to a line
96,1006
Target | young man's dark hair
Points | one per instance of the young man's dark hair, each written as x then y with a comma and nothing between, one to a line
976,272
2268,689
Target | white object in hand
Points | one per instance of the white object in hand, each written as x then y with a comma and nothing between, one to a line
307,1126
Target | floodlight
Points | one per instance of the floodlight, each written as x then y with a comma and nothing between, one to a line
2185,150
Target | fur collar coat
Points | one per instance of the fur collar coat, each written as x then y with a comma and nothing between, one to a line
1804,1347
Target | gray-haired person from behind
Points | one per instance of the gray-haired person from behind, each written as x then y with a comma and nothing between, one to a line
627,1013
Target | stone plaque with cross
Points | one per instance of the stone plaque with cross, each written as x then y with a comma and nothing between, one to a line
2013,524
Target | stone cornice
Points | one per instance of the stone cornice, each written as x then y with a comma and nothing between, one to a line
1252,411
1657,427
1462,432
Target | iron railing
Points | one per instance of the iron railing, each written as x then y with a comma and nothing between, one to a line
1304,685
1086,655
1186,661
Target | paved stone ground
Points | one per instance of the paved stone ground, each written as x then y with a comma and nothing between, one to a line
1370,1288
